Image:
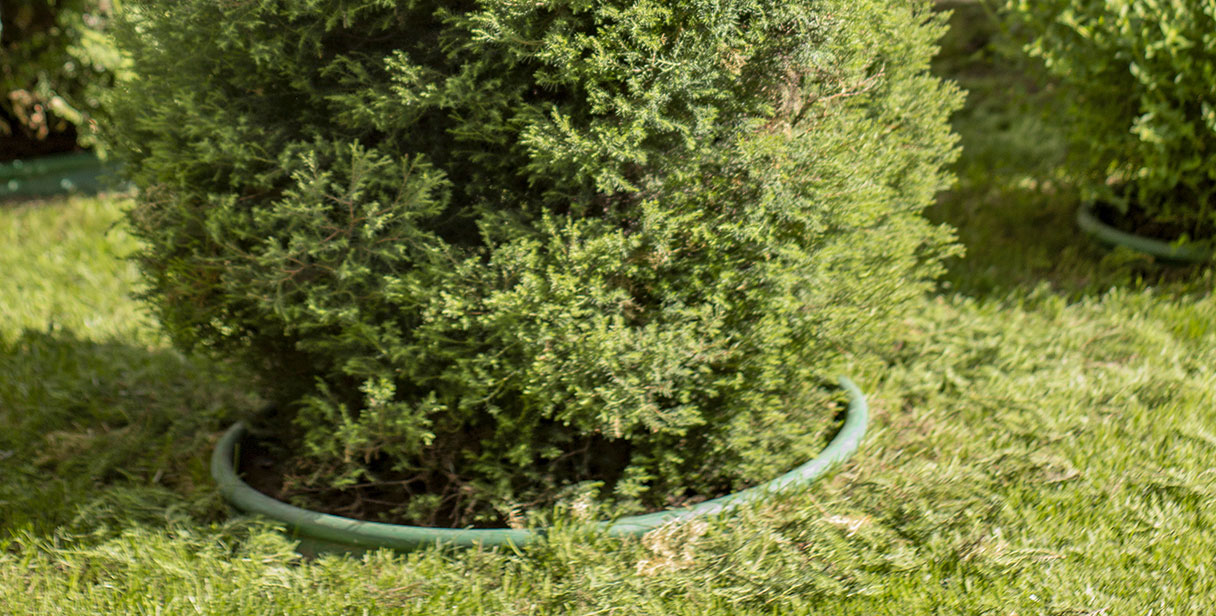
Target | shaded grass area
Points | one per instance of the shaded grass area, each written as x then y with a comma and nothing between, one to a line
1043,442
95,407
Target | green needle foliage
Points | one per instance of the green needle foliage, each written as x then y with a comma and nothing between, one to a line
1140,75
485,250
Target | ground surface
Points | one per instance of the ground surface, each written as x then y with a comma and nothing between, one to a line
1043,442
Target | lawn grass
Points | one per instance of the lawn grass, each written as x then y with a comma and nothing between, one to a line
1043,441
94,403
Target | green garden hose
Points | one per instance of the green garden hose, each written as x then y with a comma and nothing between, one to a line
1182,252
328,533
44,176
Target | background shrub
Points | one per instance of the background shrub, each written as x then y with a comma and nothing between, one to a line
488,249
55,57
1140,76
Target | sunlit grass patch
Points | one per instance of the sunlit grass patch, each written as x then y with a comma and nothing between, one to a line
65,266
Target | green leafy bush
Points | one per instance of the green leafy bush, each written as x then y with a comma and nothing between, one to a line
482,251
1141,75
55,58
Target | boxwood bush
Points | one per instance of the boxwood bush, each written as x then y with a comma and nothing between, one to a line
483,253
1141,78
55,59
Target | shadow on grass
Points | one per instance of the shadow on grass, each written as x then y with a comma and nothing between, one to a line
1019,240
106,428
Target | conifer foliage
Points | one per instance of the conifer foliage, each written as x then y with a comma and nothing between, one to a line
1140,75
488,249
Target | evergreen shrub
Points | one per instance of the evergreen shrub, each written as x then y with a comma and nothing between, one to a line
55,60
480,252
1140,76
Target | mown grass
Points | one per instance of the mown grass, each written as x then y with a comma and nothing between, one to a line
94,403
1043,442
